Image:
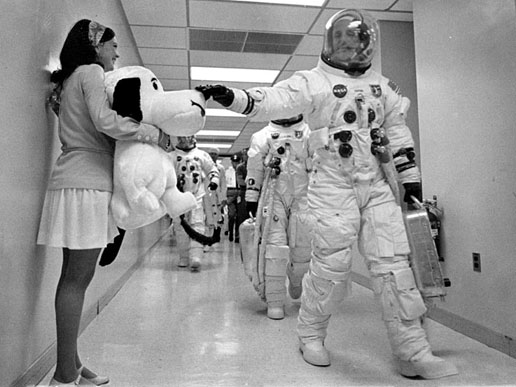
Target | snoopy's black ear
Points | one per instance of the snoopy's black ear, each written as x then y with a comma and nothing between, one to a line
126,98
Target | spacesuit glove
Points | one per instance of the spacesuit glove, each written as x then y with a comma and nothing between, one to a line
213,186
219,93
164,142
412,189
251,208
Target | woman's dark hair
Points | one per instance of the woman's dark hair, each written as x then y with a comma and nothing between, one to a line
78,50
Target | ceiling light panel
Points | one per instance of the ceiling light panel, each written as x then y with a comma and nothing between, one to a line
238,60
233,74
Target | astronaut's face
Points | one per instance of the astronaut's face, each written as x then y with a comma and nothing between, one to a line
346,40
187,142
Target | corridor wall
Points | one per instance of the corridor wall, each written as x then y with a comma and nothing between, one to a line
466,91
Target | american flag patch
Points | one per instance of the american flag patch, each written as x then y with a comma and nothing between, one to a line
394,87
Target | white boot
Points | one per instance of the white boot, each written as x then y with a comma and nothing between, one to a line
427,366
314,353
195,265
275,312
183,262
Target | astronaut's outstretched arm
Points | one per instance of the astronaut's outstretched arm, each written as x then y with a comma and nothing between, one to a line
287,98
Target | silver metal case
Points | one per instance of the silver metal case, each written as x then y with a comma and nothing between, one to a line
423,256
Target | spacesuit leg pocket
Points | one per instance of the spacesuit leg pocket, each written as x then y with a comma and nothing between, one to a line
335,229
323,296
383,232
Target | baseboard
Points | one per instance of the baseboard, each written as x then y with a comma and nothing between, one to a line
37,371
459,324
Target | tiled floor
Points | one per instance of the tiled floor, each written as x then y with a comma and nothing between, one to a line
171,327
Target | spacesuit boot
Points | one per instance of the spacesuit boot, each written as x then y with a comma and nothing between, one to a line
426,365
196,252
319,300
276,259
275,310
402,307
314,353
183,245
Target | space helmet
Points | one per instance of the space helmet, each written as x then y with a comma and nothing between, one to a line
350,40
186,143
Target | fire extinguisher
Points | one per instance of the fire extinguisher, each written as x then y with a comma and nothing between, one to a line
434,215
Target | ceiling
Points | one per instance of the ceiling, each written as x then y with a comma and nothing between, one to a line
173,35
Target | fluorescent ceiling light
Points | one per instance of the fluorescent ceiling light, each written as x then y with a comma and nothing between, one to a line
222,113
233,75
314,3
213,145
218,133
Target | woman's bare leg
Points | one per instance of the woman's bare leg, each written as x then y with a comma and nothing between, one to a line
76,274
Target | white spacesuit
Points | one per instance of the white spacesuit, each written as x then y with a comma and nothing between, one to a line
345,104
196,172
287,246
215,201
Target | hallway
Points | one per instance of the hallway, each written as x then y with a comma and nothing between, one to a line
170,327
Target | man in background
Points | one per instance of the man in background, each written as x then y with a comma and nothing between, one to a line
232,197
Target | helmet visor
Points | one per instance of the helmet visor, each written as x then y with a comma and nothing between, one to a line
350,40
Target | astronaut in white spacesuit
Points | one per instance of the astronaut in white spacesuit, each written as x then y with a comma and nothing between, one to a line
357,118
196,172
215,201
287,244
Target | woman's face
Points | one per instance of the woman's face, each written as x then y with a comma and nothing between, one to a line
108,54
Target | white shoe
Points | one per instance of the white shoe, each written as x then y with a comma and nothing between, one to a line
315,354
195,265
275,312
97,380
55,383
426,366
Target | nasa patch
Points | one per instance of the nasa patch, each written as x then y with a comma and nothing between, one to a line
340,91
298,134
275,135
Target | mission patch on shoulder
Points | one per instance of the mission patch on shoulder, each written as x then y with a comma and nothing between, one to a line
394,87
